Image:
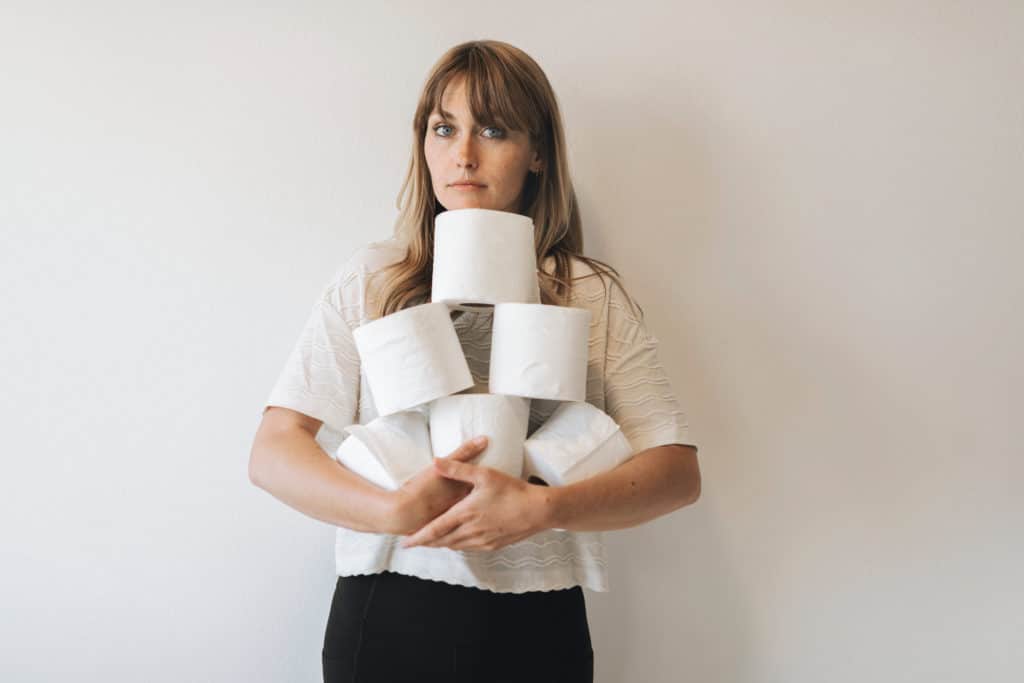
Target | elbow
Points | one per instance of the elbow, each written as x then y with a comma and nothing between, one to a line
689,496
255,469
253,473
688,491
261,456
694,492
691,479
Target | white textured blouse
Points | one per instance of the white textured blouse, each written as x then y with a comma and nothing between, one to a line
624,378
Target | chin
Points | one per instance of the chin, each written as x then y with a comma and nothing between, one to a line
469,203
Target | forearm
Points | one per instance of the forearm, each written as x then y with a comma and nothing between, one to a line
652,483
291,466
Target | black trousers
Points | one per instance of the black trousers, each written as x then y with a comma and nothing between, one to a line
391,628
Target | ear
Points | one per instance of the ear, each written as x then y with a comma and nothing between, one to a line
537,164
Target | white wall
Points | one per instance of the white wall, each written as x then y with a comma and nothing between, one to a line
817,203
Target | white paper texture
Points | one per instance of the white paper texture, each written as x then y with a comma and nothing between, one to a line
502,419
389,450
578,441
412,357
482,256
539,351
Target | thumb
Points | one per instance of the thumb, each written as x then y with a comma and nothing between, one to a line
469,450
453,469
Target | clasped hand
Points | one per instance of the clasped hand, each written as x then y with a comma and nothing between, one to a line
491,509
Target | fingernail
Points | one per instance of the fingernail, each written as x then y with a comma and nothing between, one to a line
480,440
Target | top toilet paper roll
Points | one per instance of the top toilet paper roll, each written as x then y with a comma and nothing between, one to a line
412,357
539,351
482,256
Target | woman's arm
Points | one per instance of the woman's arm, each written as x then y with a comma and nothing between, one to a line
652,483
501,510
288,463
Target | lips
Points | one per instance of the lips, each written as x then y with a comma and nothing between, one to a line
467,185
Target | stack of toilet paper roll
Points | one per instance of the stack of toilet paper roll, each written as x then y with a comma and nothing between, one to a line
422,386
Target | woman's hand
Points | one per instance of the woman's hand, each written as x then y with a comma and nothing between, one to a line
499,510
428,494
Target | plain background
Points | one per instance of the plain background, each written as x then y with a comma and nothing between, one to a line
818,205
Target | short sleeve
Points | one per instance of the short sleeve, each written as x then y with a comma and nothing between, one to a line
638,395
321,375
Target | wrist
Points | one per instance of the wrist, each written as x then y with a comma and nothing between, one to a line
393,509
550,506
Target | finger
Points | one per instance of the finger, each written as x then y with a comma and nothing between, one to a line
476,540
427,537
460,539
438,527
465,535
479,541
468,450
457,535
463,471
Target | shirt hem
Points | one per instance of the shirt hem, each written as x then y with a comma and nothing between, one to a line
591,578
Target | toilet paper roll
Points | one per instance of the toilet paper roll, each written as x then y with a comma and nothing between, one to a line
481,257
411,357
502,419
389,450
539,351
578,441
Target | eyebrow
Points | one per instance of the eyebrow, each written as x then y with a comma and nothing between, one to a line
448,115
445,114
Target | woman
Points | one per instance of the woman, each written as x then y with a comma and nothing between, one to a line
466,573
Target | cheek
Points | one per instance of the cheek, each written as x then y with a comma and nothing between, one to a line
518,163
514,168
433,158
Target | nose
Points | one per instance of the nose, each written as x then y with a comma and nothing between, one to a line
465,152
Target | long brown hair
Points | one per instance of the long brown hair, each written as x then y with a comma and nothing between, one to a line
504,85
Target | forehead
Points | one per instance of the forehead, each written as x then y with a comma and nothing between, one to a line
453,100
473,99
444,113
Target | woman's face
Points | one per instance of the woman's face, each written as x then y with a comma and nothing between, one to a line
459,149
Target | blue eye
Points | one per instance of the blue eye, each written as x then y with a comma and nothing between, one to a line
499,132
